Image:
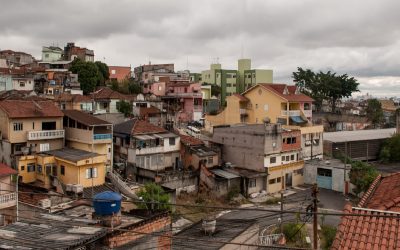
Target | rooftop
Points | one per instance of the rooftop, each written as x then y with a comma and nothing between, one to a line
72,154
84,118
190,140
48,232
359,135
367,232
30,108
66,97
107,93
6,170
203,151
224,174
136,127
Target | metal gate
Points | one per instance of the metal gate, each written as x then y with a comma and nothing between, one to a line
324,178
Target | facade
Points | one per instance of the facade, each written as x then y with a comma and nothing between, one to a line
6,83
357,145
16,58
23,82
58,81
147,148
71,52
86,132
8,194
119,73
268,155
142,72
105,100
235,81
29,126
195,154
51,54
66,101
279,103
210,103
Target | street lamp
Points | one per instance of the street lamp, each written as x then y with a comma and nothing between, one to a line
345,167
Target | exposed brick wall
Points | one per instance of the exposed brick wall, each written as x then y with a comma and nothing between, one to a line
286,140
141,230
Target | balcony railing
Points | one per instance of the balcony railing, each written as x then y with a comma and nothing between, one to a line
102,136
8,200
290,113
307,113
45,134
191,94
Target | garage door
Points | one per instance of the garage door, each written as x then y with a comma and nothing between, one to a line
324,178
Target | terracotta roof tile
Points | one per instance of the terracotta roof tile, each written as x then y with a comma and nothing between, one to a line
29,108
66,97
291,96
241,98
375,231
136,127
84,118
148,111
107,93
6,170
190,140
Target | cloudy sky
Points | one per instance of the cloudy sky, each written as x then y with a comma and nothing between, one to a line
360,37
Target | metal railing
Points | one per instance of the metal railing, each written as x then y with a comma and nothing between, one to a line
9,197
269,240
290,112
45,134
102,136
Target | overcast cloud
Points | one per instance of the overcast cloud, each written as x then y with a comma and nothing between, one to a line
360,38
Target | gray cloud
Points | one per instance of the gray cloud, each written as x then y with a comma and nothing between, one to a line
359,38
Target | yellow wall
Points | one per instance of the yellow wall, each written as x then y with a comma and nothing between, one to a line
279,171
230,115
27,177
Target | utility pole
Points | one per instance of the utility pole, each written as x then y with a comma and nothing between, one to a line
315,211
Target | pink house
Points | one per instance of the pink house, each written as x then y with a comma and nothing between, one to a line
187,100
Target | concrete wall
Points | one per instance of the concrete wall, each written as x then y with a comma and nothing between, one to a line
312,142
5,83
23,84
279,175
5,152
337,167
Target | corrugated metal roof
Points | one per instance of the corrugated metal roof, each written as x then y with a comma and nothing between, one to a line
224,174
359,135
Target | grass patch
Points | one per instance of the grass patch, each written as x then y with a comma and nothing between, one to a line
272,201
328,234
295,234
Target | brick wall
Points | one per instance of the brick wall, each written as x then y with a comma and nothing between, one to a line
287,140
158,226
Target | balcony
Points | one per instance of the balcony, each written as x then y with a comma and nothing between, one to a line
242,111
307,113
150,150
102,136
191,95
8,200
290,113
45,134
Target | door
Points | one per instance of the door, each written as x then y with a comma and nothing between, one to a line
324,178
288,179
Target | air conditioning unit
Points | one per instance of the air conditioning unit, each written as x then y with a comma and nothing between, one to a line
45,203
69,187
77,188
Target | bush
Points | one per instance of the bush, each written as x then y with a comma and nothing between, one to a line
390,151
153,197
233,192
294,233
362,175
329,234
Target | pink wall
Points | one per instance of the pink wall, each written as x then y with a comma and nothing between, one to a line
158,88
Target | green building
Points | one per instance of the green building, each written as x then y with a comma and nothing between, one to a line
235,81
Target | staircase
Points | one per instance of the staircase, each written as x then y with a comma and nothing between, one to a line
119,184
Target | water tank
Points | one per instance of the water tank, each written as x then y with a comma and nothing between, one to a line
107,203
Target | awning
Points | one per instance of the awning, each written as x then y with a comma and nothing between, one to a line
297,119
144,137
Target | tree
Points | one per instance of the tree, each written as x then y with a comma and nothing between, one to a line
390,151
362,175
134,87
88,74
374,112
114,85
124,108
104,73
215,90
325,86
153,196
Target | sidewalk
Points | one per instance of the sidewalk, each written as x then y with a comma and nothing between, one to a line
310,233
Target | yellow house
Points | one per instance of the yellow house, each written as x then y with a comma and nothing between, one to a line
279,103
68,166
68,101
27,127
89,133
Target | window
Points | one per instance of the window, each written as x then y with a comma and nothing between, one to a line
252,183
272,160
48,125
22,168
31,167
18,126
33,125
283,158
292,157
298,171
172,141
44,147
265,107
62,170
113,71
210,160
272,181
91,173
105,105
287,158
39,168
324,172
22,84
278,180
18,147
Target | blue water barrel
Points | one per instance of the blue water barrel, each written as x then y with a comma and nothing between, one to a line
107,203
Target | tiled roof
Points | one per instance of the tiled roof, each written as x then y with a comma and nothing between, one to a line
367,232
190,140
27,109
66,97
84,118
107,93
291,96
241,98
149,111
6,170
121,72
136,127
383,194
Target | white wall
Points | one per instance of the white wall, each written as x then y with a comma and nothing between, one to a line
23,84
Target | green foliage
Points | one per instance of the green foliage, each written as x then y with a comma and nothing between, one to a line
374,112
329,234
153,193
390,151
324,86
272,201
134,87
294,234
233,192
90,74
362,175
124,108
114,85
215,90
